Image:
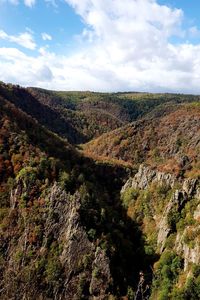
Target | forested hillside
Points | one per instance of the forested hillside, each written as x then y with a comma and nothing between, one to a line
99,195
166,141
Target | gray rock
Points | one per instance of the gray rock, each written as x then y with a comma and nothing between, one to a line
61,218
163,227
188,188
177,201
101,276
145,176
190,255
197,213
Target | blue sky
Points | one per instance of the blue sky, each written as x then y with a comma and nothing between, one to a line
101,45
60,22
190,7
191,11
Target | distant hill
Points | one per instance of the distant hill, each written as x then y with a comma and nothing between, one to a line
92,114
167,139
82,116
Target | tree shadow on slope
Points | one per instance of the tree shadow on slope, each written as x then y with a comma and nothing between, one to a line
37,134
44,114
109,227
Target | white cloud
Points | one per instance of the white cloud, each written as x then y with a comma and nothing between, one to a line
194,32
24,39
43,50
29,3
15,2
126,45
52,2
17,67
46,36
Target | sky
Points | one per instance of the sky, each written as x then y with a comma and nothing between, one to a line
101,45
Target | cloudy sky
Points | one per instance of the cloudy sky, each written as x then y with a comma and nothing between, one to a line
101,45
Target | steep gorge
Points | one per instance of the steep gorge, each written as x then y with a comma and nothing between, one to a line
96,223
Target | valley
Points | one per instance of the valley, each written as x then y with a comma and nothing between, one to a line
99,195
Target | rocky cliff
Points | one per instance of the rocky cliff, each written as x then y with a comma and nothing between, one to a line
75,265
174,212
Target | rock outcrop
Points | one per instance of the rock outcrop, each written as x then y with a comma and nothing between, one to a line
83,268
188,189
101,276
145,176
177,201
190,254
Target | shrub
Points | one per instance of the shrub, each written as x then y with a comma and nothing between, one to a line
92,234
173,218
28,176
130,293
167,270
81,285
53,269
65,180
129,195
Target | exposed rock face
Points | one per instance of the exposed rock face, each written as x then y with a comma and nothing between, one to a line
189,188
190,254
145,176
69,232
14,196
177,201
101,274
197,213
163,227
78,258
142,180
